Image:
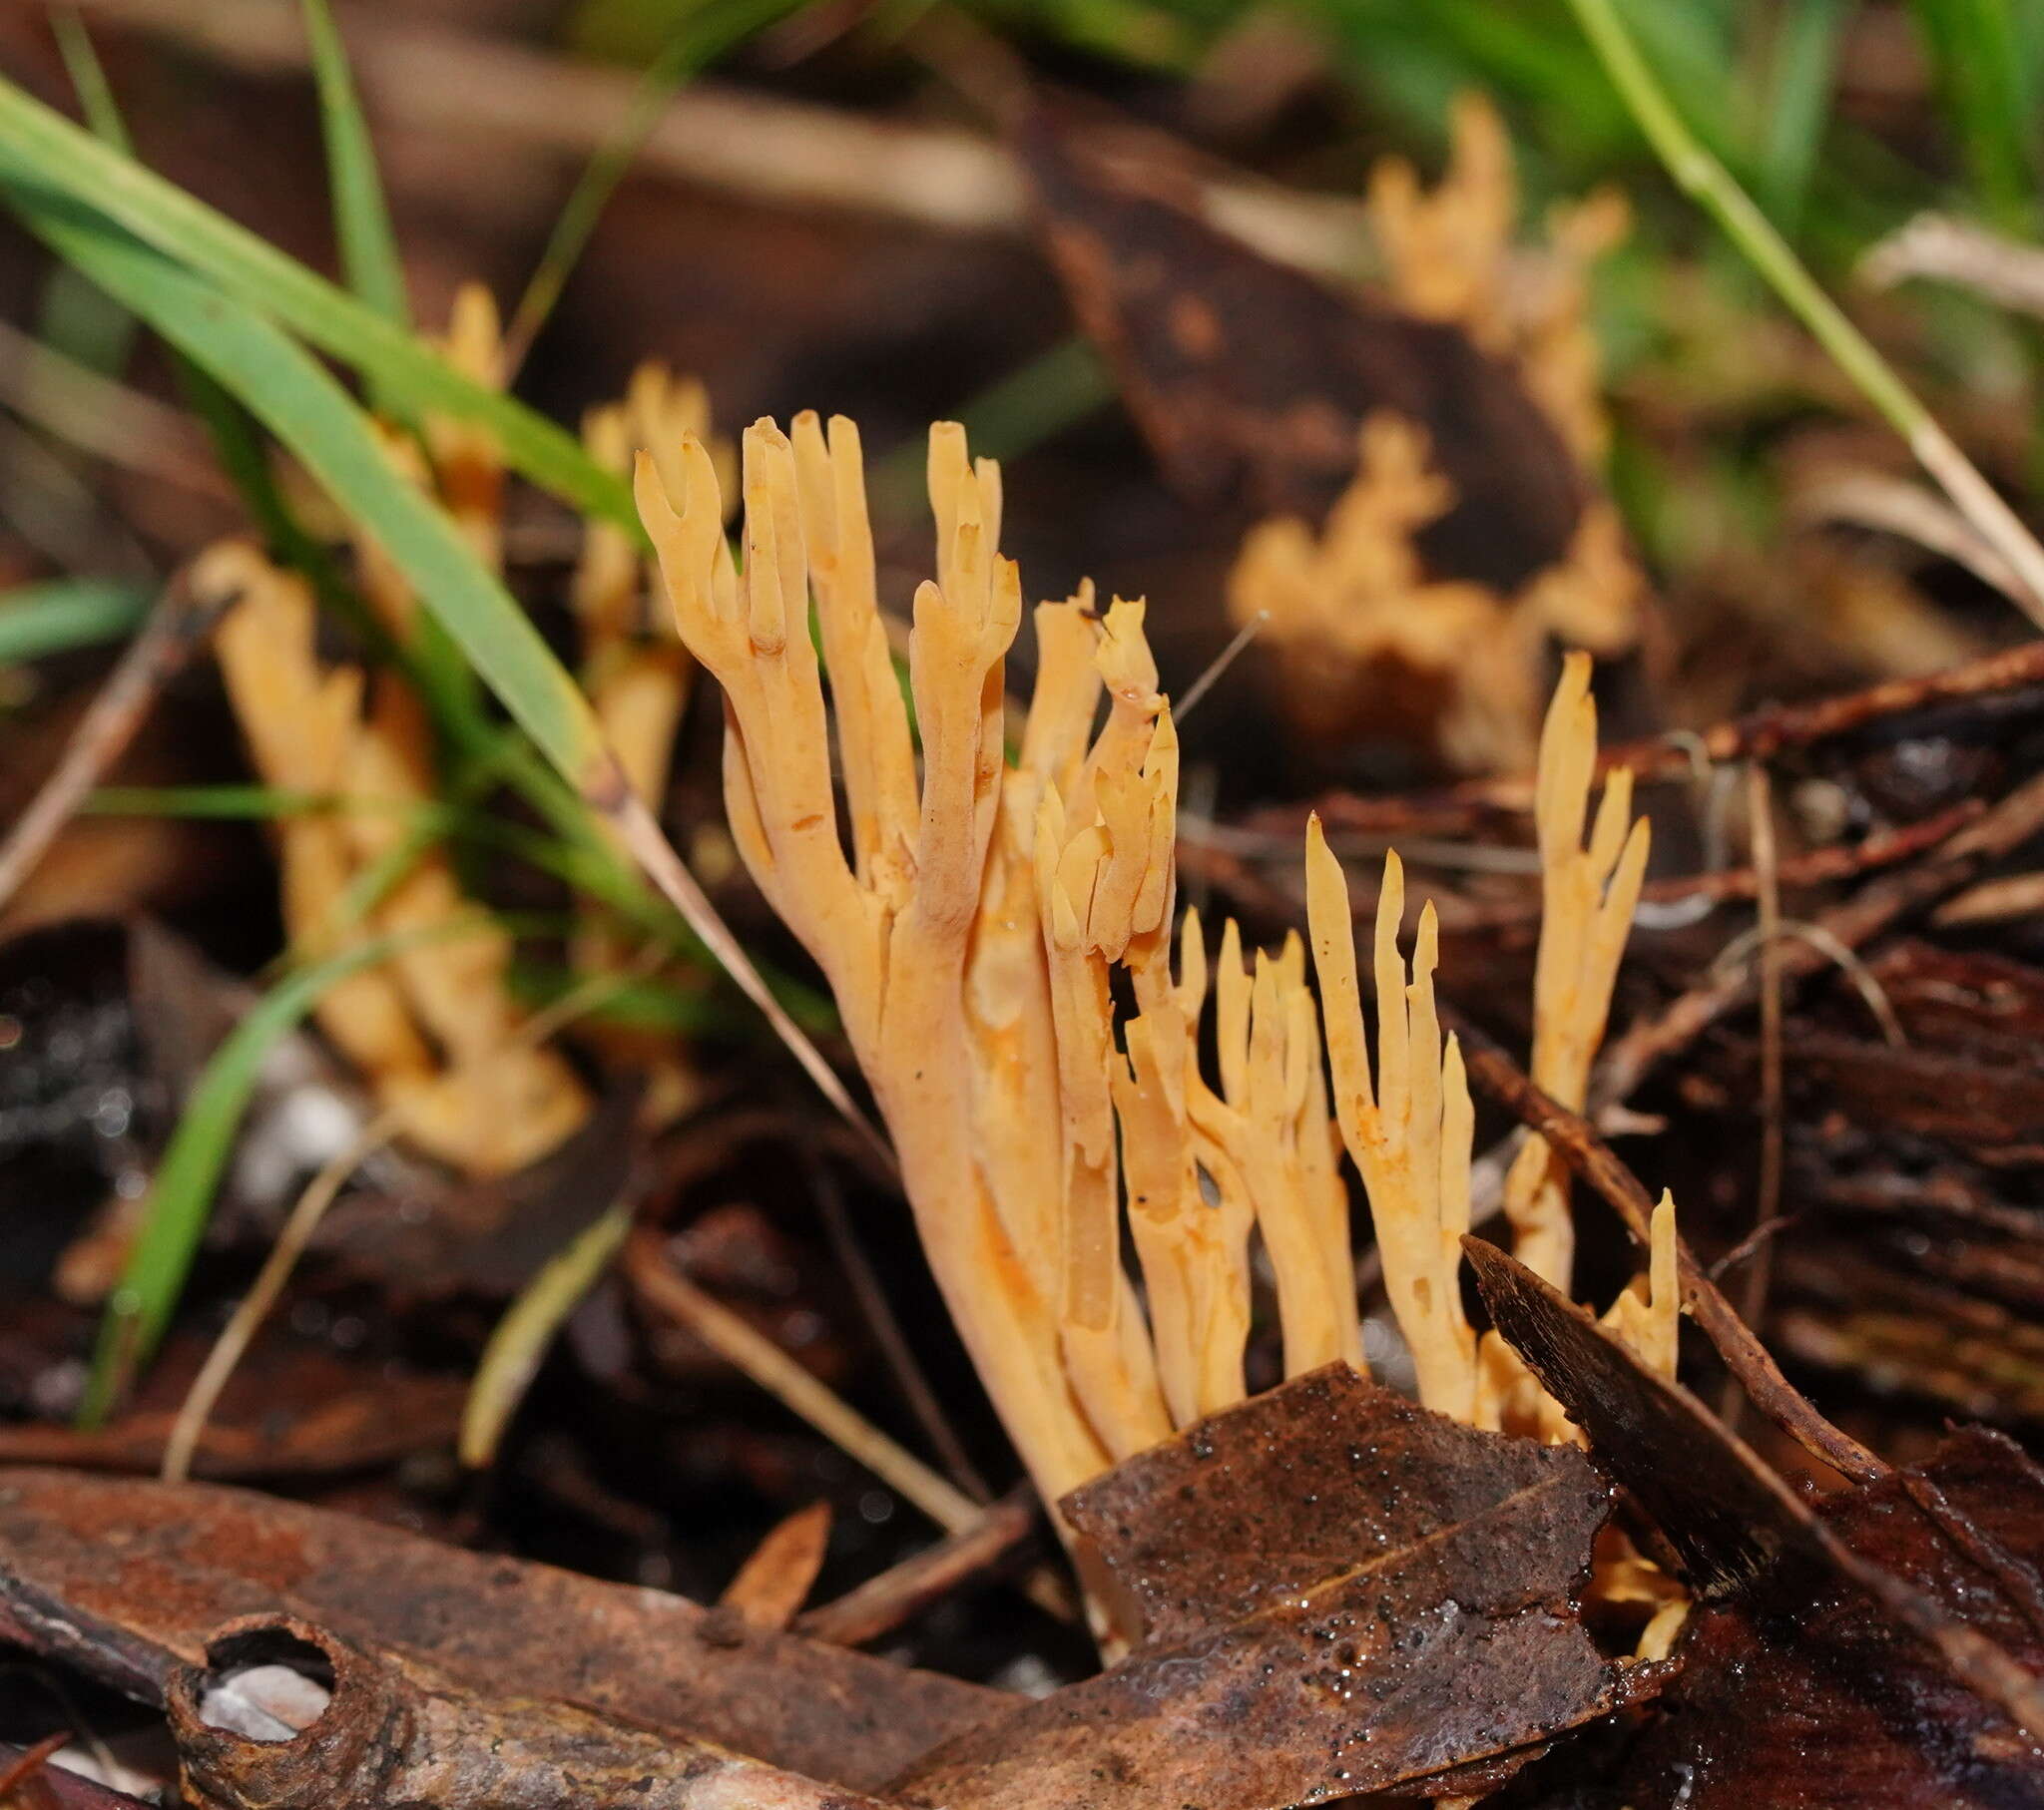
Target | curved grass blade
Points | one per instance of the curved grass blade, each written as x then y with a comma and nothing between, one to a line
361,217
1977,54
73,318
306,409
1795,106
46,158
285,389
704,36
519,1343
1705,179
63,614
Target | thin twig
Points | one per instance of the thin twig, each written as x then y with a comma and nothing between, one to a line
881,1604
1759,734
1883,902
31,1761
1218,664
1700,173
1848,960
1994,901
885,1328
1760,806
177,624
752,1352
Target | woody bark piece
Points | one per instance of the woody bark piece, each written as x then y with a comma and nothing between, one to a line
30,1781
1343,1593
397,1730
165,1564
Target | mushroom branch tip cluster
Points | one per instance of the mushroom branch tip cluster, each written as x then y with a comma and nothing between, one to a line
998,926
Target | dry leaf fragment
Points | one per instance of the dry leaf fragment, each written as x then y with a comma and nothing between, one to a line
775,1580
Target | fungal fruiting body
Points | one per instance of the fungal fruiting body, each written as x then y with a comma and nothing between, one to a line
979,919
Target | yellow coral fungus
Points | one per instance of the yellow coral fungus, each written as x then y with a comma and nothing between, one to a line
1588,892
1450,254
1409,1132
1363,635
432,1031
981,923
1368,642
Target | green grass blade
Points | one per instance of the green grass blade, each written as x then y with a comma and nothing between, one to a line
43,157
54,618
1977,54
361,217
75,318
299,401
181,1198
516,1348
703,37
1707,181
1795,106
89,79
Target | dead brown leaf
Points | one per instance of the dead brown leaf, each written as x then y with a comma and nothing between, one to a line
1878,1648
1342,1592
1250,379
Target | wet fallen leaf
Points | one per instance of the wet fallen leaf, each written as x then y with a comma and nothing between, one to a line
1802,1691
292,1410
1878,1648
1342,1592
163,1566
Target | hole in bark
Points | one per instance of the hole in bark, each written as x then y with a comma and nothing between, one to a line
266,1684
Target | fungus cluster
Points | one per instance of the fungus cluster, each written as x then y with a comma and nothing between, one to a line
1437,661
978,918
435,1031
